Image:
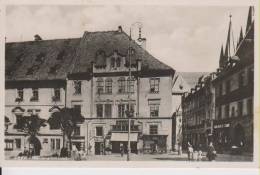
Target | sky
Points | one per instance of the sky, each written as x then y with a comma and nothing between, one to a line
187,38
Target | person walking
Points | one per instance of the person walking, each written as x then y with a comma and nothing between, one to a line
211,153
190,151
122,149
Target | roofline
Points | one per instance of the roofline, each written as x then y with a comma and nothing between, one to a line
16,42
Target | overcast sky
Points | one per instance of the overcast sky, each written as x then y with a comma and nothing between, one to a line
185,38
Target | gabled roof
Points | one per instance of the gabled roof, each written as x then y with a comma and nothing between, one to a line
56,59
40,60
109,42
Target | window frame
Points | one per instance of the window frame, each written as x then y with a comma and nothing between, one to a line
130,85
153,129
100,85
154,108
99,110
35,94
121,85
108,86
154,85
77,87
57,94
108,110
98,131
20,93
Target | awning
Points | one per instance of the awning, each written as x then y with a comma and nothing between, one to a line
124,137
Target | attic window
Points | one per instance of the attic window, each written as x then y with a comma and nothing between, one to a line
54,69
32,69
60,56
40,57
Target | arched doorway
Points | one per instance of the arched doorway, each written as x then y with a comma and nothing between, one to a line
239,135
34,145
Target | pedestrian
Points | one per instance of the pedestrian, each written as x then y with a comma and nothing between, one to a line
211,153
190,151
200,152
122,149
74,152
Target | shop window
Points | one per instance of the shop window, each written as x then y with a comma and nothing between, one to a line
77,87
57,143
108,110
35,94
154,85
108,86
99,110
18,143
9,144
153,129
154,110
121,85
100,86
99,131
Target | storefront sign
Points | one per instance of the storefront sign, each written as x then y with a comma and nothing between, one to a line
225,125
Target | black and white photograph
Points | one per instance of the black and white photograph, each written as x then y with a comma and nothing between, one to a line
129,83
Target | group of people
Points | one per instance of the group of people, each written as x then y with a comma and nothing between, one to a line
196,154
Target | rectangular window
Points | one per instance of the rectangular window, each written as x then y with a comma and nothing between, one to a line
45,140
35,96
108,86
99,131
153,129
100,86
9,144
240,108
130,85
154,85
154,110
241,79
99,110
250,106
18,143
121,85
108,110
52,144
227,86
77,131
57,143
121,111
56,94
227,111
77,87
77,108
19,122
20,94
251,76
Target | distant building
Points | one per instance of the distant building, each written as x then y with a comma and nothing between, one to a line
220,108
234,89
198,110
90,74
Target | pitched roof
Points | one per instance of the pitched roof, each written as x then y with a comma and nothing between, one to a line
40,60
55,59
108,42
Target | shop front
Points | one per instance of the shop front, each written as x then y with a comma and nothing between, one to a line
221,135
155,143
118,139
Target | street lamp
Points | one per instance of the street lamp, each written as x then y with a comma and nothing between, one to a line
129,112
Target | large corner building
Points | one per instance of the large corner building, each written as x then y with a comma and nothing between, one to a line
101,74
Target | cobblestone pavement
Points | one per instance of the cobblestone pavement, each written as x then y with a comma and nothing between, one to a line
156,157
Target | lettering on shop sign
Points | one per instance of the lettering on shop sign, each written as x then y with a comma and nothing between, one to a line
226,125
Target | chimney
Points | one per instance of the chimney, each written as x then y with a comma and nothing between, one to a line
120,29
37,37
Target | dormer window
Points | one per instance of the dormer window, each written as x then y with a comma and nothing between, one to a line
113,61
118,64
108,86
77,87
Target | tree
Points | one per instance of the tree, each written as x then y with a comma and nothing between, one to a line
31,126
66,119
